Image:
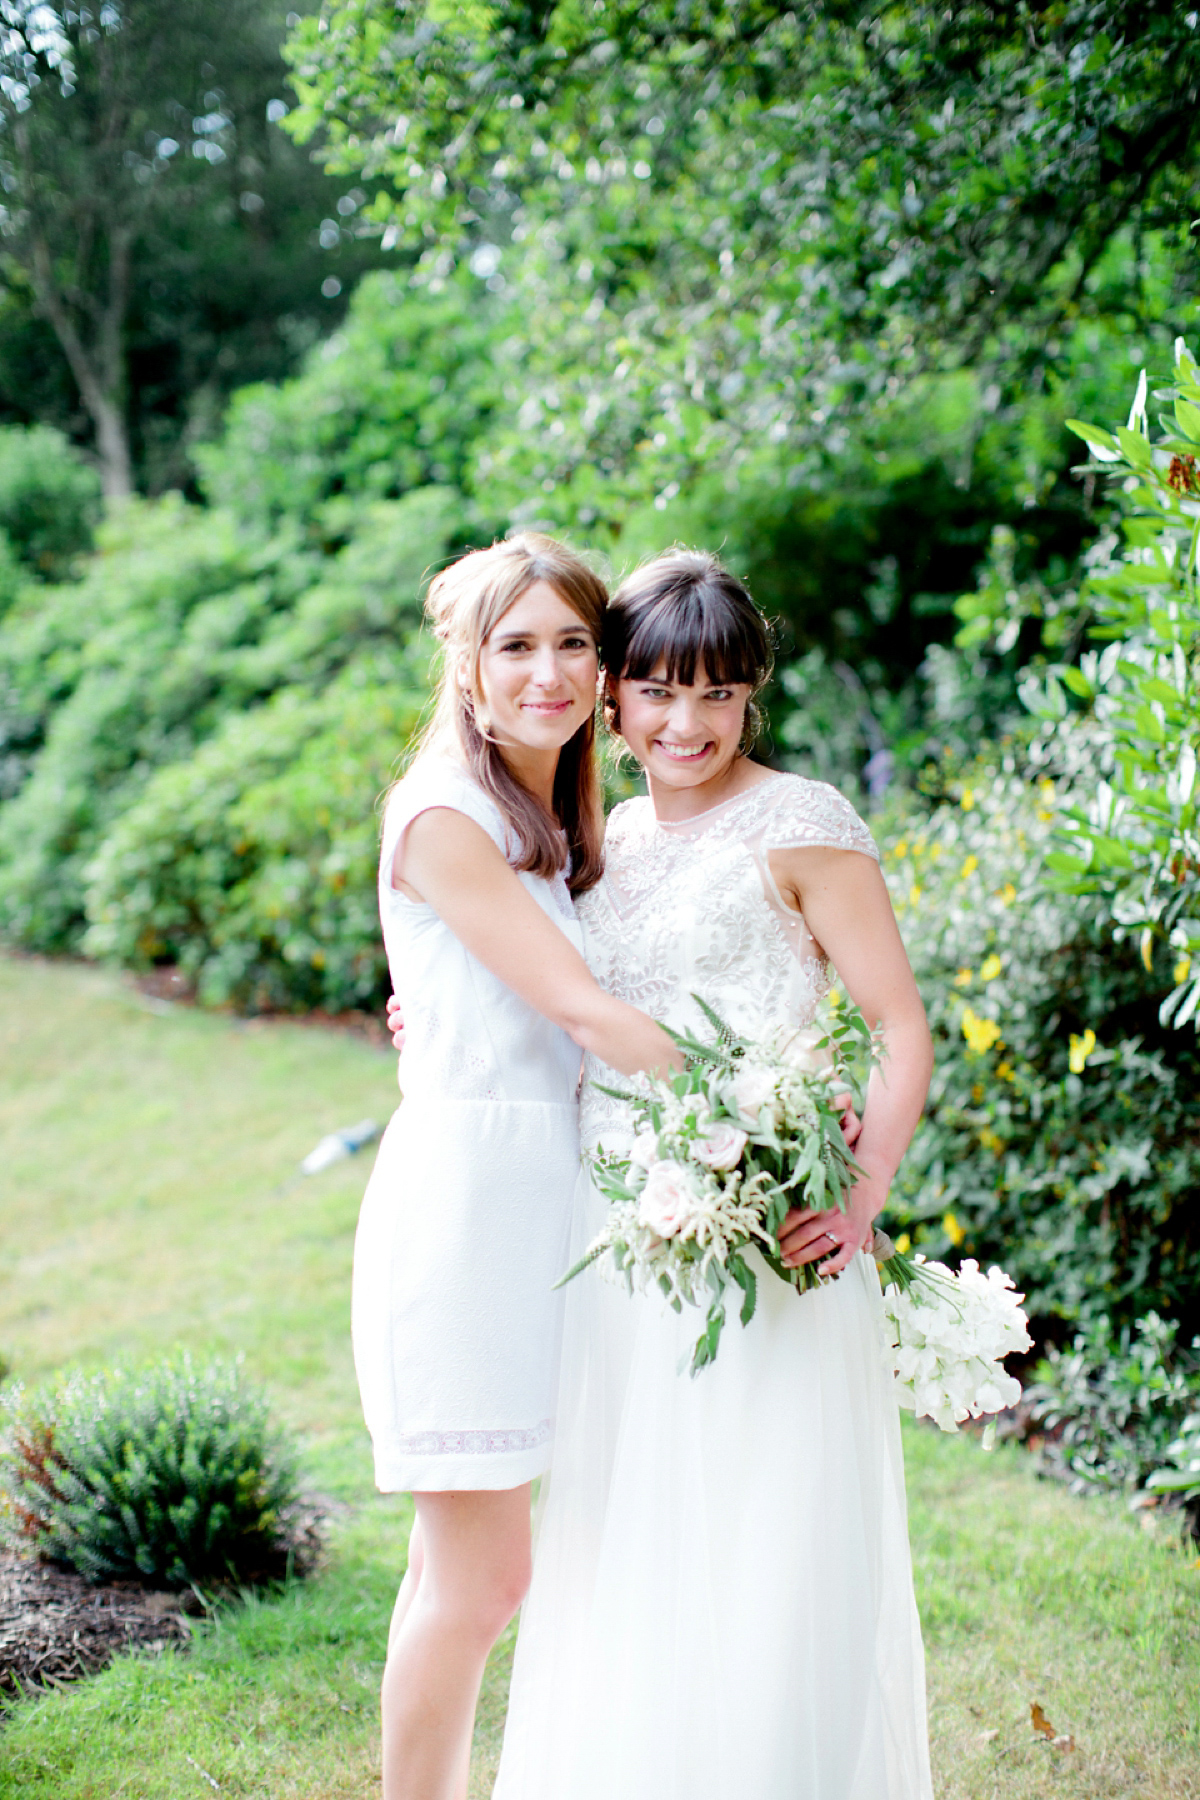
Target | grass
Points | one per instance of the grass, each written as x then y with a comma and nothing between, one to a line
150,1199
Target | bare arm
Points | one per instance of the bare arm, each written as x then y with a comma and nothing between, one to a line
449,862
845,903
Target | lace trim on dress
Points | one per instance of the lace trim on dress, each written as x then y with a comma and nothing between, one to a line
475,1443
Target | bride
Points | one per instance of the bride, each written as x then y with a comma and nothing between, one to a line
721,1605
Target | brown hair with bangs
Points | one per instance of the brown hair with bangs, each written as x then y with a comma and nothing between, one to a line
684,613
464,605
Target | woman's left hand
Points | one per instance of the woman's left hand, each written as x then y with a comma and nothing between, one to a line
807,1236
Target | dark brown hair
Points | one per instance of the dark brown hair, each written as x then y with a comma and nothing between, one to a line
464,605
684,610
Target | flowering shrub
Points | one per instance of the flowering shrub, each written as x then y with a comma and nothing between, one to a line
1062,1135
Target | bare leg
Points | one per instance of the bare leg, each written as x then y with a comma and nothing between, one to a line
471,1572
408,1585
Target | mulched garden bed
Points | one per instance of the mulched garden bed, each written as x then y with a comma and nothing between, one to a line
55,1626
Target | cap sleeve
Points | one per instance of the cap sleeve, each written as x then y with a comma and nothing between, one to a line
813,815
436,781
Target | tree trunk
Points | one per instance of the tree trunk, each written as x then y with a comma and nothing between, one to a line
100,388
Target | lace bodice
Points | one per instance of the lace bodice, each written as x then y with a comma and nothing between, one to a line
692,908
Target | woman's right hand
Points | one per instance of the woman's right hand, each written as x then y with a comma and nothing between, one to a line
395,1020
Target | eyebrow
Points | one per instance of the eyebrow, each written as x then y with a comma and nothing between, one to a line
506,637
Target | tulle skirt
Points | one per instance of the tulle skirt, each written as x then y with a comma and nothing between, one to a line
722,1604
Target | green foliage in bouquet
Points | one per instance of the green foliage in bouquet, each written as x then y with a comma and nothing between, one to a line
170,1475
1118,1405
1062,1134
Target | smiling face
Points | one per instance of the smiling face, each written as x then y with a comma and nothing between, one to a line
537,672
684,735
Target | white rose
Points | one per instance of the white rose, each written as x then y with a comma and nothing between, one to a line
804,1051
667,1199
752,1088
644,1150
721,1146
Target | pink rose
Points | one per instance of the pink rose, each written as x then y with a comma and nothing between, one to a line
752,1088
667,1199
721,1146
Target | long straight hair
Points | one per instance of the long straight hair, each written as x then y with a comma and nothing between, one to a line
464,605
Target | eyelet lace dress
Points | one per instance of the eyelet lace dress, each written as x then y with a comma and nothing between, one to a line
464,1225
722,1604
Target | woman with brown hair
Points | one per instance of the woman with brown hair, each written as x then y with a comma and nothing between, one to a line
493,829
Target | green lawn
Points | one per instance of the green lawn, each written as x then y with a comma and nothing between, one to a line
149,1198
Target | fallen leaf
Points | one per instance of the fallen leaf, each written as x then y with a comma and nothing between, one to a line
985,1737
1063,1743
1040,1721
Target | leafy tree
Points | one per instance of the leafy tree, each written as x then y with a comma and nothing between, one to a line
732,223
158,229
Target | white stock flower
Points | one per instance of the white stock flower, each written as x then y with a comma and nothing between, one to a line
948,1342
721,1146
668,1199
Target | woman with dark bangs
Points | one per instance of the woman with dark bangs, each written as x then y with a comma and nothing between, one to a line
722,1604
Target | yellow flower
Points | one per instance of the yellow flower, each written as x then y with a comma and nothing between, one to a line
1046,795
992,965
1008,894
904,1243
990,1141
953,1229
970,864
1005,1071
968,799
980,1034
900,849
963,978
914,894
1081,1049
1182,969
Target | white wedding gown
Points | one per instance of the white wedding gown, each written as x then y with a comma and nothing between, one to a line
722,1603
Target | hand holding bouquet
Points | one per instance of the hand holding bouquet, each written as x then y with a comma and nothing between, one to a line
724,1150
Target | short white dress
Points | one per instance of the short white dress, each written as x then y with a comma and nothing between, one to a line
464,1226
722,1601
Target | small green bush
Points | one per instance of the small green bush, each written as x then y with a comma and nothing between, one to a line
1117,1401
169,1475
49,499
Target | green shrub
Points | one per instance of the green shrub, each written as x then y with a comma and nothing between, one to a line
183,626
1062,1134
169,1474
1116,1403
49,499
252,865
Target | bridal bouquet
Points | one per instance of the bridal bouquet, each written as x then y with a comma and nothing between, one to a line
723,1150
